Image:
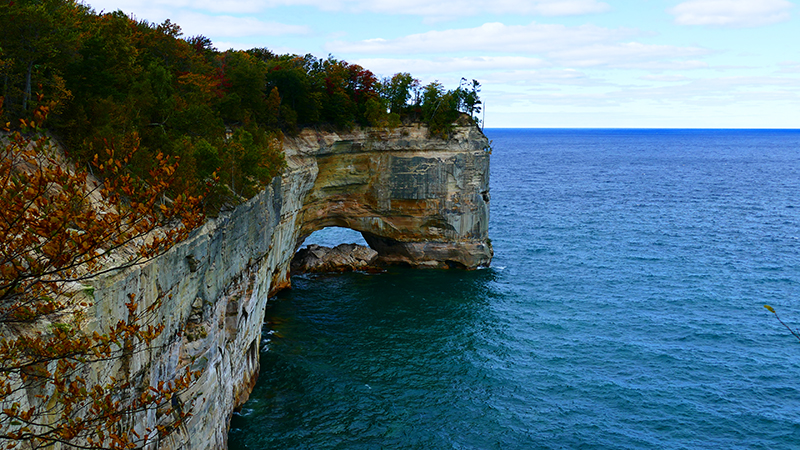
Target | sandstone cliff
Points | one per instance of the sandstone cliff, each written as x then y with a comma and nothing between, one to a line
418,202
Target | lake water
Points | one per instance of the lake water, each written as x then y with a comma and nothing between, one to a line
623,310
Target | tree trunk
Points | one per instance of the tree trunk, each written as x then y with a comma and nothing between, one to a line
27,94
6,103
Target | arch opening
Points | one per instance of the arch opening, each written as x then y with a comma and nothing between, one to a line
333,236
334,249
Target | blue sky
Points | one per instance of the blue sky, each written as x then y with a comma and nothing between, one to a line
542,63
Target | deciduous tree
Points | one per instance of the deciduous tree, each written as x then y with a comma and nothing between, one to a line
398,91
60,229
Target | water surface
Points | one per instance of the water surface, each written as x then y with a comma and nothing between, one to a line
623,310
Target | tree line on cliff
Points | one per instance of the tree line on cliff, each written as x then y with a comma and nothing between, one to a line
114,78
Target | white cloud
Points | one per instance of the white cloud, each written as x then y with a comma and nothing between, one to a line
723,91
553,44
214,6
667,78
567,8
489,37
727,90
439,10
731,13
194,23
659,66
789,67
562,77
229,26
229,45
444,65
460,8
632,55
217,6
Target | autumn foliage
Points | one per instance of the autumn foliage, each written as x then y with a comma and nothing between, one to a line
61,228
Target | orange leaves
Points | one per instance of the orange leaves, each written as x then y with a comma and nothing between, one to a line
88,412
147,201
131,305
56,226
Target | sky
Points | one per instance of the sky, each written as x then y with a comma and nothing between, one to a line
541,63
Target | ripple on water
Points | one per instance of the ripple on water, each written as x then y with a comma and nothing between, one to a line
624,310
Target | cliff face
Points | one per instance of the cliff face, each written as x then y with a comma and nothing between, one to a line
418,202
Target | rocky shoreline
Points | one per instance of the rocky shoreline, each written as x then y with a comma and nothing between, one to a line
342,258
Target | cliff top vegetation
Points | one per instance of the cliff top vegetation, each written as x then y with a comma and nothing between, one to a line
114,79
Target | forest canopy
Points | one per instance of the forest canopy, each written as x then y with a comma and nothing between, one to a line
110,78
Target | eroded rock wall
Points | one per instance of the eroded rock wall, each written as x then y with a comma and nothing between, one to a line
418,201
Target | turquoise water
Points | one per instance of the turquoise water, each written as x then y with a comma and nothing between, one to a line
623,310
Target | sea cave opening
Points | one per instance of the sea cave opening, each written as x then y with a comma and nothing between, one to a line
334,249
333,236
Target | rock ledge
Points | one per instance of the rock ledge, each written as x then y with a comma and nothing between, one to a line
342,258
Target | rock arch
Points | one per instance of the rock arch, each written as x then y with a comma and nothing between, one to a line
417,201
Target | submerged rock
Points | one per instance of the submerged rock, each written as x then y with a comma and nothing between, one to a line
342,258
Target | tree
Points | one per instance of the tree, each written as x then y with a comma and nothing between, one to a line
245,74
34,33
439,109
61,229
299,104
432,95
468,97
252,158
397,91
272,108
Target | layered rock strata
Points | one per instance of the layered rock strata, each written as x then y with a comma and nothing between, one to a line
418,201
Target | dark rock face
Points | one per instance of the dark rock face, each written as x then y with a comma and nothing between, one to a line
342,258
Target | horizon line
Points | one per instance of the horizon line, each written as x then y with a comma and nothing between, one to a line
638,128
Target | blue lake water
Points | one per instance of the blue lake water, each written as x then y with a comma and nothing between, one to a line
623,310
